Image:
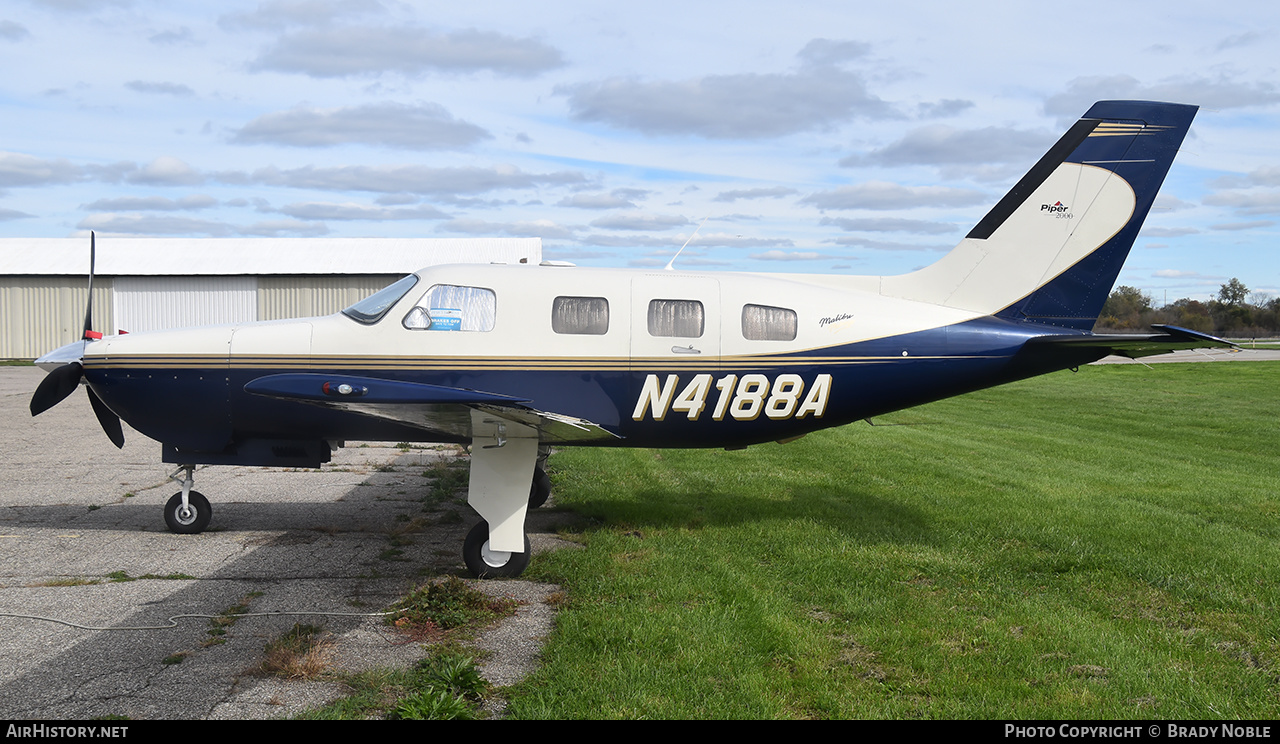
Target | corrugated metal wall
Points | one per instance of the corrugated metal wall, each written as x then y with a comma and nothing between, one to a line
282,297
41,313
153,303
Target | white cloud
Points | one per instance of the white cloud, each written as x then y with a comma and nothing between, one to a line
531,229
136,224
1236,226
776,255
1267,175
353,211
407,50
885,245
827,52
154,225
939,144
1247,202
152,203
279,14
13,31
888,224
426,126
181,36
81,6
884,195
18,169
1217,93
412,179
1168,232
1171,203
944,108
168,89
639,221
1238,40
741,106
771,192
166,171
596,201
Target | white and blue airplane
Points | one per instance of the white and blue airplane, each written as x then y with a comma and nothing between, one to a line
514,359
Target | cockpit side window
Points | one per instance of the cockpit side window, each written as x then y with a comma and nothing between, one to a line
677,318
371,309
450,307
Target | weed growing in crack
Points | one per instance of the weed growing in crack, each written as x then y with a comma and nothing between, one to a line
448,605
301,653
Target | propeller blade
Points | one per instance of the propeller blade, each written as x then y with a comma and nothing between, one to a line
57,385
110,422
88,311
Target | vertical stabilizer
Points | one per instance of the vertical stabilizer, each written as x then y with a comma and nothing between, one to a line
1051,249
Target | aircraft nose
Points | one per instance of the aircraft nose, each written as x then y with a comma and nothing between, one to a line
63,355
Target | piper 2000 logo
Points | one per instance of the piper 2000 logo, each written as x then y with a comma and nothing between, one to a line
742,398
1059,211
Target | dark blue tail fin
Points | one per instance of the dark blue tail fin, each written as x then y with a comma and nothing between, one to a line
1136,141
1051,249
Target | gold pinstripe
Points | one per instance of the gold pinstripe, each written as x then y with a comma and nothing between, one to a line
479,364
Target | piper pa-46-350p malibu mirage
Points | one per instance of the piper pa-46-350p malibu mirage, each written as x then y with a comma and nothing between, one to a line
513,359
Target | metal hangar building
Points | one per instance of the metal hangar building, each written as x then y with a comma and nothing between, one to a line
143,284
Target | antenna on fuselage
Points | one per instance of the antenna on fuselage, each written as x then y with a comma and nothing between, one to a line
671,264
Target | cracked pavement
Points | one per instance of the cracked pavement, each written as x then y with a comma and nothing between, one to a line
351,537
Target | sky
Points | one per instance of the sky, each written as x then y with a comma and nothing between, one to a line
815,137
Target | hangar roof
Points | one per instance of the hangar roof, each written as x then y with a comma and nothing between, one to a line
128,256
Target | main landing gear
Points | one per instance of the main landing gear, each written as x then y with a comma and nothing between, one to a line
507,479
486,563
188,512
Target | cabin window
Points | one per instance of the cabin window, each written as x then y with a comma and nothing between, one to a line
765,323
679,318
448,307
588,316
371,309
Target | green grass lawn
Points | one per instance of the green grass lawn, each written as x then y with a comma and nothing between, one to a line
1091,545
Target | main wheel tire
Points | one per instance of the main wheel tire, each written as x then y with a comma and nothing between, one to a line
190,521
484,563
540,491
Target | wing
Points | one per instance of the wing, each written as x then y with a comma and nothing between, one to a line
1171,338
432,408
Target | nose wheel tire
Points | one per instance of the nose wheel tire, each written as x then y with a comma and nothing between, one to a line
189,520
486,563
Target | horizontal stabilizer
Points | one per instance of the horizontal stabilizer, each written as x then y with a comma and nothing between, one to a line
1135,345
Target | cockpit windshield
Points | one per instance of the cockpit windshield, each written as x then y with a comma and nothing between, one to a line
371,309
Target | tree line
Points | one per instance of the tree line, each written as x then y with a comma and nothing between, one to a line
1234,311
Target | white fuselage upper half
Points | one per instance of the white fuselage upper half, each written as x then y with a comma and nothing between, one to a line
522,301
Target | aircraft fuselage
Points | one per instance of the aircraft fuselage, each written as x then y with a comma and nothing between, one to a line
656,359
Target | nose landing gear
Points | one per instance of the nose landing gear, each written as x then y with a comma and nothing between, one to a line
188,512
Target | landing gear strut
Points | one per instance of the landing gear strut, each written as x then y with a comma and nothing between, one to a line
188,512
501,489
